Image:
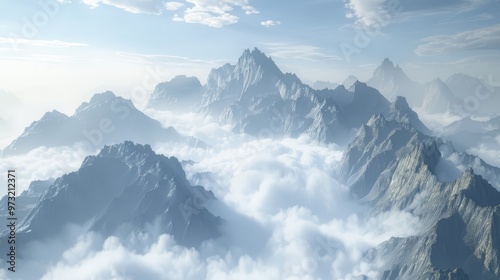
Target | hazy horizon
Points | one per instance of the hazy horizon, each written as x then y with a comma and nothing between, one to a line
65,51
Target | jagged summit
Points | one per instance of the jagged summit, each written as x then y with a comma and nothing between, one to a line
122,190
400,110
254,76
104,100
392,81
400,103
125,149
53,115
258,59
102,97
357,85
349,81
387,63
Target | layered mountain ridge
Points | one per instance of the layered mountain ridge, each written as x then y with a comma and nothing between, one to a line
393,167
123,190
254,92
393,163
460,94
105,119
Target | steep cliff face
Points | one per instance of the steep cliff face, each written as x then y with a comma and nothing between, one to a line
393,167
123,189
459,220
375,147
27,200
256,98
254,75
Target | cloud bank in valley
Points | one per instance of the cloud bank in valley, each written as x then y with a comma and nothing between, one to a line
287,216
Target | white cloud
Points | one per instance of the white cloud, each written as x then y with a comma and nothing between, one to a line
112,260
173,6
43,163
268,23
214,13
250,10
366,12
477,39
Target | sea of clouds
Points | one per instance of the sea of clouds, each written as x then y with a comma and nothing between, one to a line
287,216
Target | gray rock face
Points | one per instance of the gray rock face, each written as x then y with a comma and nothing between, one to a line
181,94
27,199
254,75
327,116
374,148
105,119
459,219
393,167
258,99
401,112
122,190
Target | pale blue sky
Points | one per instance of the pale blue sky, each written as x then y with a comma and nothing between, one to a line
76,48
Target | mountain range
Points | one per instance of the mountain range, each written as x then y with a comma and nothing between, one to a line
460,94
124,189
105,119
392,162
255,91
467,133
393,167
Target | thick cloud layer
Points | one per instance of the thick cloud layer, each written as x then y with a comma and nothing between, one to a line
287,216
43,163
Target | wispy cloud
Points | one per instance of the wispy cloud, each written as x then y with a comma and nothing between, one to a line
477,39
39,43
168,59
371,12
269,23
294,51
132,6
